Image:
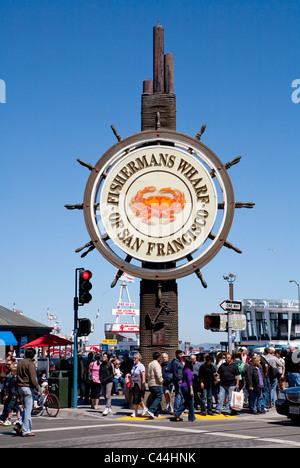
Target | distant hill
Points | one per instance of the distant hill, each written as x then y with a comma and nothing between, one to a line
205,345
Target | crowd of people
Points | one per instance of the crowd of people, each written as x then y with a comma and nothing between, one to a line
205,385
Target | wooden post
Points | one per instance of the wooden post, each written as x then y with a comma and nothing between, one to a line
169,73
159,98
158,59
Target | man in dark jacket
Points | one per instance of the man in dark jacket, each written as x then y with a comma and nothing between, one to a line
27,384
166,367
177,369
206,380
255,384
106,375
125,368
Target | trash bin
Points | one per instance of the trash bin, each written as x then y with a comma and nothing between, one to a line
60,383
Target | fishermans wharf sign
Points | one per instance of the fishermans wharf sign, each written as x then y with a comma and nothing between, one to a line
158,204
155,197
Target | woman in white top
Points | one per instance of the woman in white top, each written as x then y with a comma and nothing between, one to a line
138,379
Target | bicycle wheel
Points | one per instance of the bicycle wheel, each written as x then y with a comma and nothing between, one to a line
52,405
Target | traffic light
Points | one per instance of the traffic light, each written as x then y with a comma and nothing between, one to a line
84,296
212,322
85,327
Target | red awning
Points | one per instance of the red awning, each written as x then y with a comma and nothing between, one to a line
48,340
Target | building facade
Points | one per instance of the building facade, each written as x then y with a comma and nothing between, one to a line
271,321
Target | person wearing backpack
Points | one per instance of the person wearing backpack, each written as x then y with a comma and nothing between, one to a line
274,367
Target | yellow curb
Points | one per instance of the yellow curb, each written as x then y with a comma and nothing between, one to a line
217,416
141,418
197,416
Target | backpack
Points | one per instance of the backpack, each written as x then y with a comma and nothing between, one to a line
273,372
90,373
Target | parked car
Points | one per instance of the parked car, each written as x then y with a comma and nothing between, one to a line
288,404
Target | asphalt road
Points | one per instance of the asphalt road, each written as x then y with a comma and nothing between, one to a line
91,430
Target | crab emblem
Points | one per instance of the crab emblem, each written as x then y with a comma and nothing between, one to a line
160,206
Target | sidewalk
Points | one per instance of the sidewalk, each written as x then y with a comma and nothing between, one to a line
84,411
119,412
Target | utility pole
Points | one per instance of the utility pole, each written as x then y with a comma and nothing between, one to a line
231,279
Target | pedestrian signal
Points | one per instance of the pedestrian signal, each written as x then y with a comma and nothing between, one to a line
212,322
85,327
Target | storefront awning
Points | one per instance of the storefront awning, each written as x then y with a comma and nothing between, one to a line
7,339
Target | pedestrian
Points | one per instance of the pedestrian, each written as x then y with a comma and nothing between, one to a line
187,393
125,368
95,384
106,375
207,373
273,372
86,377
244,356
166,367
229,381
27,384
138,379
177,369
118,378
255,385
240,365
63,364
196,367
11,396
81,378
292,369
155,383
281,378
5,371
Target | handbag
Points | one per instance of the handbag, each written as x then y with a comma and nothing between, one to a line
237,400
127,381
217,379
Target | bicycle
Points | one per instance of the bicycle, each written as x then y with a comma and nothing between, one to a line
47,401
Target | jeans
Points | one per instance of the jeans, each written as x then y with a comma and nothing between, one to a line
267,393
27,395
206,399
115,381
294,379
222,394
273,384
157,394
106,392
256,399
186,402
178,396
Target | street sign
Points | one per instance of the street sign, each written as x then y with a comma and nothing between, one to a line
238,322
231,305
109,341
133,312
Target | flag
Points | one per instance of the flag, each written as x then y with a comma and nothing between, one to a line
18,311
128,278
51,317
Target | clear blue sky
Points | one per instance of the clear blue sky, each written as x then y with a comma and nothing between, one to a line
73,68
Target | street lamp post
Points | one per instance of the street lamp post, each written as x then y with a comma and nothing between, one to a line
298,285
231,279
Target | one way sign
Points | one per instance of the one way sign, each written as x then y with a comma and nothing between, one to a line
231,305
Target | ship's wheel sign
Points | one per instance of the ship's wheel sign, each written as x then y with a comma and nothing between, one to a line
159,205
